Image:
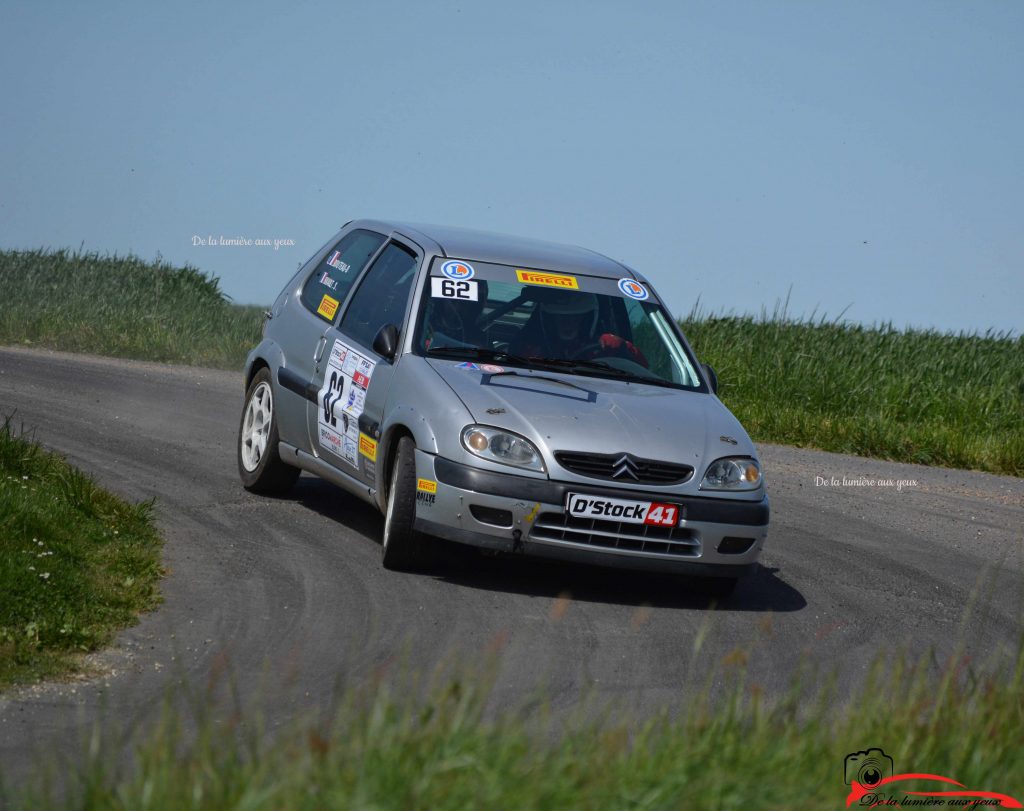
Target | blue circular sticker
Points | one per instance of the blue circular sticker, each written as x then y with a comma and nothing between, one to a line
455,269
633,289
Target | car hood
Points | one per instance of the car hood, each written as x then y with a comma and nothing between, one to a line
574,413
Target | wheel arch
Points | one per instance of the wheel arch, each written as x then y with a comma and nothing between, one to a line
254,369
267,355
386,460
416,429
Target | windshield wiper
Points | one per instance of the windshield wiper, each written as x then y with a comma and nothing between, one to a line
478,353
578,363
573,365
558,364
604,368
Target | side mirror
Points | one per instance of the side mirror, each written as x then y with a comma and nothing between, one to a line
386,342
711,376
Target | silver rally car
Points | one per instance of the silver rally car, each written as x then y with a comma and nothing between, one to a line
515,395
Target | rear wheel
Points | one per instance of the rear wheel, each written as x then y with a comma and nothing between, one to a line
259,463
402,547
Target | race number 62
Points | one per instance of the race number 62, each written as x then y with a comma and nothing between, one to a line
462,289
454,289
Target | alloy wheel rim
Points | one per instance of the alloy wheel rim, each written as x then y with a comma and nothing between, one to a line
256,426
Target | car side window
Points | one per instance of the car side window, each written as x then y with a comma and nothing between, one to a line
649,329
381,296
328,285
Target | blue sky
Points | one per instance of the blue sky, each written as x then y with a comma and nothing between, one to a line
866,156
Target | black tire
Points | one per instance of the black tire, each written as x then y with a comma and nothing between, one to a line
259,463
402,547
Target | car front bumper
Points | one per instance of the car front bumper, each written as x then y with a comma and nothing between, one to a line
519,514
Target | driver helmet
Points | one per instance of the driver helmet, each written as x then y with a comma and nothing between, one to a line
558,303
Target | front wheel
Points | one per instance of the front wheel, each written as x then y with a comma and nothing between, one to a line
402,546
259,463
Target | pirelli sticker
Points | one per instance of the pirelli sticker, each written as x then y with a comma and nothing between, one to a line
426,492
547,279
328,307
367,447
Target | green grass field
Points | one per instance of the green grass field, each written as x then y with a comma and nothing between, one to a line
122,306
927,397
386,750
917,396
76,563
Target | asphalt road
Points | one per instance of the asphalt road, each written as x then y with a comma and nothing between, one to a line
289,596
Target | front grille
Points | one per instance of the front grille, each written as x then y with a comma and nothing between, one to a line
563,527
623,467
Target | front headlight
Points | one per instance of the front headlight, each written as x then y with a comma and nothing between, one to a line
503,447
732,473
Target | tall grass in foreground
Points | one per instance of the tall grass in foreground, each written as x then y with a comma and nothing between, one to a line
122,306
914,396
384,749
77,564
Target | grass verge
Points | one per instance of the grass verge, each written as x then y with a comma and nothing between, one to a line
77,564
123,307
386,750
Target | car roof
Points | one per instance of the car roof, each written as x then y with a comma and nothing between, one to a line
503,249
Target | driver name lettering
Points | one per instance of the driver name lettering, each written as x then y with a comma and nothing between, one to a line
335,261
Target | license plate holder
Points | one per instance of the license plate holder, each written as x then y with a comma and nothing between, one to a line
623,510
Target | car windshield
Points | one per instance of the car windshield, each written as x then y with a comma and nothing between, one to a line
575,324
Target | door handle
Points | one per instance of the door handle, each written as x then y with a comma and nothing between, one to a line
320,349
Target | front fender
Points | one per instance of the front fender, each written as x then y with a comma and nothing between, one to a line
421,405
402,420
266,353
